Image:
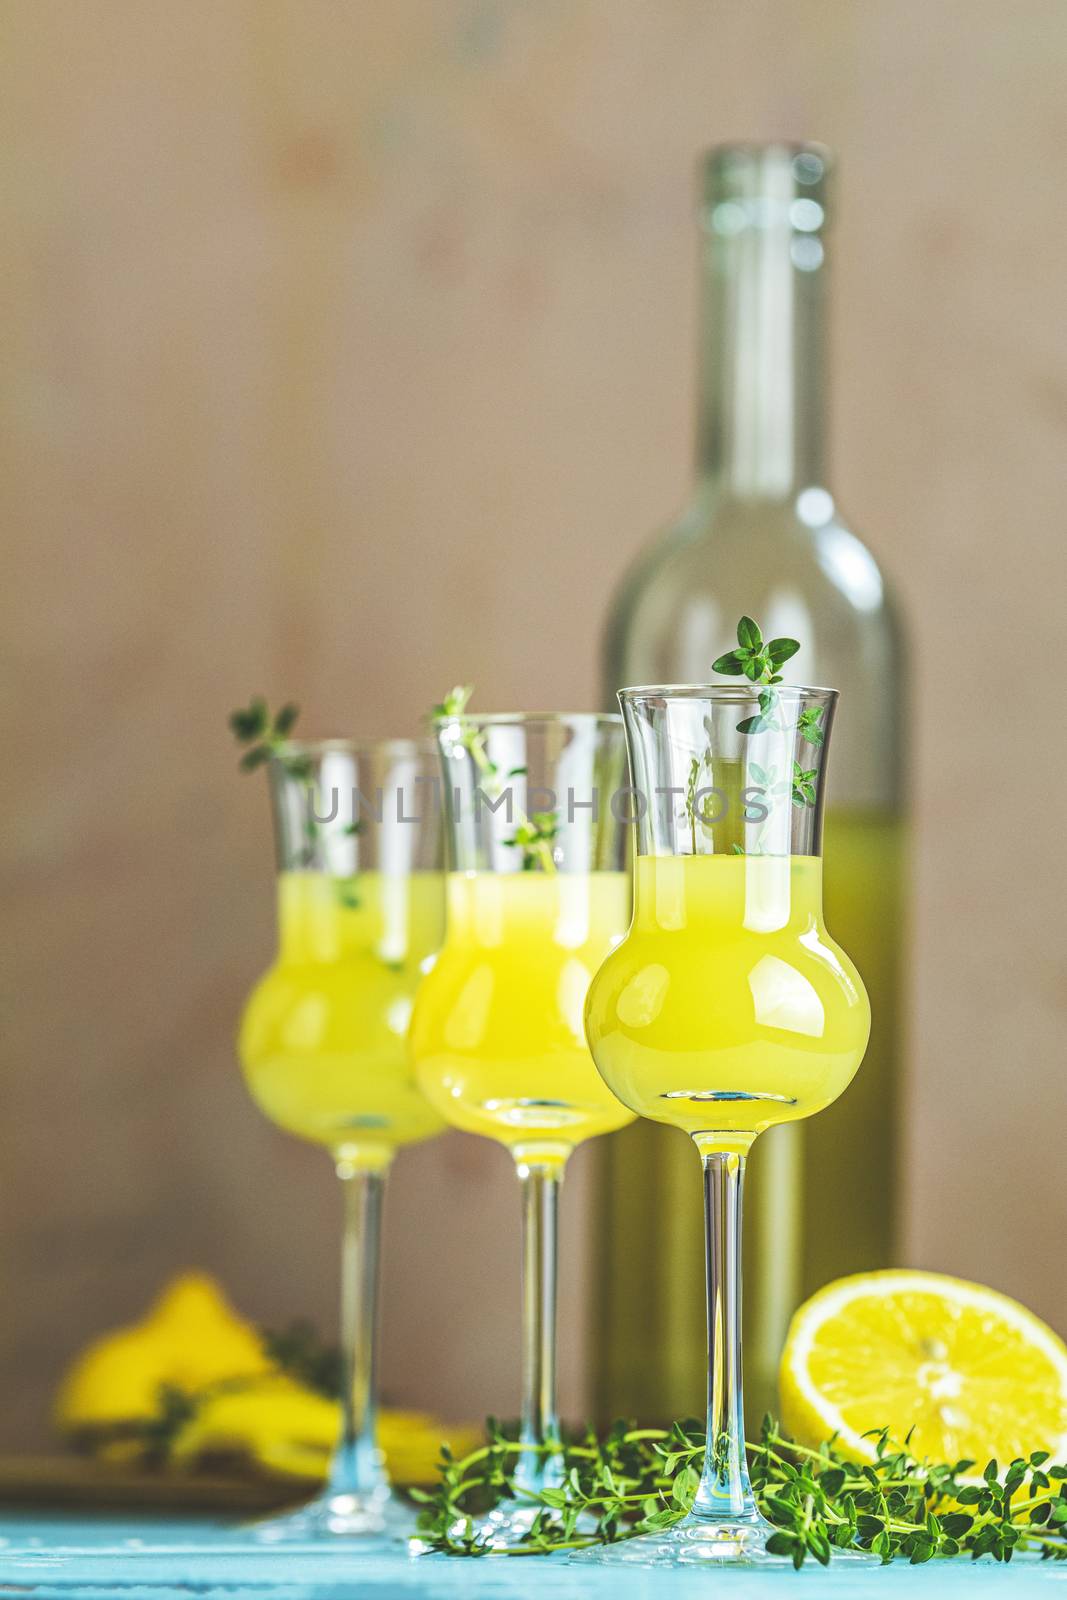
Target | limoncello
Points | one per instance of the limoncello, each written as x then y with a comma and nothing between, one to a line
497,1032
728,1008
323,1041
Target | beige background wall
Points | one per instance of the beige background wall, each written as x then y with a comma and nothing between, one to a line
348,352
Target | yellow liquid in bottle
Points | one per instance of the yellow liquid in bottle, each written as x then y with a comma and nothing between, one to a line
497,1033
727,1008
323,1041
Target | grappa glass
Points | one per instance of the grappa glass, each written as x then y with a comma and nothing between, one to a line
727,1009
537,897
323,1042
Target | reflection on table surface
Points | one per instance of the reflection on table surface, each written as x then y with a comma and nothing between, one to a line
62,1554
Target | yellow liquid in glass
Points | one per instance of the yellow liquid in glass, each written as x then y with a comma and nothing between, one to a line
323,1041
728,1008
497,1032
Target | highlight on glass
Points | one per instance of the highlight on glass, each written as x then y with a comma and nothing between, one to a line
727,1008
537,897
323,1042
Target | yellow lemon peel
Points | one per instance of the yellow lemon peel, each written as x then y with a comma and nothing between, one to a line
968,1372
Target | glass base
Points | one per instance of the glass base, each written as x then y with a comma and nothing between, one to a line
702,1541
377,1520
695,1541
507,1525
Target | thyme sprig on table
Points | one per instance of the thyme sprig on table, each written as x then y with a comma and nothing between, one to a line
643,1480
534,835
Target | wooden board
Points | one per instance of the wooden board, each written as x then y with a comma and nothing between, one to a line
74,1481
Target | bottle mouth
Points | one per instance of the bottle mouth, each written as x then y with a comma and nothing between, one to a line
765,186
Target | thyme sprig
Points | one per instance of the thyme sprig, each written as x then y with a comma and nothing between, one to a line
697,813
266,736
757,660
267,739
808,725
643,1480
300,1351
800,788
760,661
534,835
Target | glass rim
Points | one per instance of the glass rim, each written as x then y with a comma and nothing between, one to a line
755,149
738,692
520,718
427,745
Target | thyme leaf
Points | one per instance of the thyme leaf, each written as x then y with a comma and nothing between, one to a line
265,735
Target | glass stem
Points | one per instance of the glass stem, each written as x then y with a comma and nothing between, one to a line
357,1468
540,1237
725,1492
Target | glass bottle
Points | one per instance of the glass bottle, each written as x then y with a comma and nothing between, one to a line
762,536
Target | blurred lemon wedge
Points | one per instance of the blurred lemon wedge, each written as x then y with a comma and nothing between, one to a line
190,1338
969,1373
276,1421
236,1405
293,1433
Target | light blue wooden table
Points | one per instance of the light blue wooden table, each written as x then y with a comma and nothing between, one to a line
60,1555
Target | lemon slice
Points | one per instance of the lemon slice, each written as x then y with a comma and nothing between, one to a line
972,1374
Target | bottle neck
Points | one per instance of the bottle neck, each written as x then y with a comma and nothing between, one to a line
760,426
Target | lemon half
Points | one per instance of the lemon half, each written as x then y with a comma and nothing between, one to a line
971,1374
